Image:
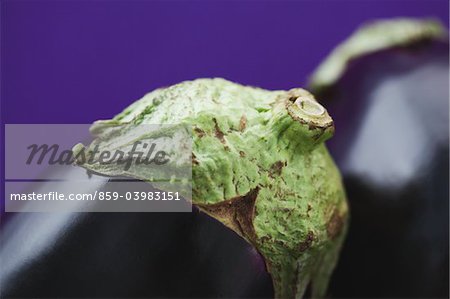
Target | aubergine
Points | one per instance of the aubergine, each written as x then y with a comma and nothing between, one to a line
126,255
387,87
270,217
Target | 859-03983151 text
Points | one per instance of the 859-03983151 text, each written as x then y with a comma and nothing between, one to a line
49,169
97,195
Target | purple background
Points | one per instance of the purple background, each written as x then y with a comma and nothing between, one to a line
76,62
79,61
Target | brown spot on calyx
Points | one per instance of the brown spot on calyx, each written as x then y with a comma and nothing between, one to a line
275,169
236,213
194,160
308,210
218,133
292,99
335,224
200,133
242,154
242,123
307,242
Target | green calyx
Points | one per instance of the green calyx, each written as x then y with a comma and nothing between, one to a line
259,166
373,37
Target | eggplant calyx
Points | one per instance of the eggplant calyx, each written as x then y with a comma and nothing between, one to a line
370,38
259,166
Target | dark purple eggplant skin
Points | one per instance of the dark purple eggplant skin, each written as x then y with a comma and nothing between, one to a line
391,143
127,255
